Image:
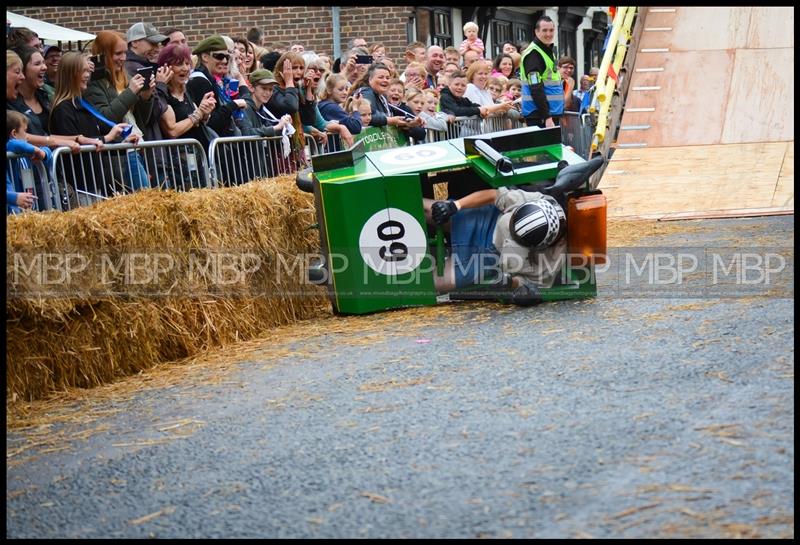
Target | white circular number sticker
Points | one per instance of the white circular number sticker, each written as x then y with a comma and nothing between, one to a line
392,242
415,155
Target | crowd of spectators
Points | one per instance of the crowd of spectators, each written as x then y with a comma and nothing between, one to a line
146,85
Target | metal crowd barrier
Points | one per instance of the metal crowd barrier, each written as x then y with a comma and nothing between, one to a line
32,176
89,176
315,148
236,160
577,131
471,126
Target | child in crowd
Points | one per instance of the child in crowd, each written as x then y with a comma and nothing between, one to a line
18,198
495,87
395,92
417,103
451,54
471,41
514,89
378,52
442,80
363,107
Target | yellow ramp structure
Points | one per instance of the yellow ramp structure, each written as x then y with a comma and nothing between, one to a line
708,125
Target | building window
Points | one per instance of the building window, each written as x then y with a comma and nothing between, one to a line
567,43
522,34
442,27
501,33
411,29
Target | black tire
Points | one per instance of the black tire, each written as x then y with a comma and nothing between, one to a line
305,180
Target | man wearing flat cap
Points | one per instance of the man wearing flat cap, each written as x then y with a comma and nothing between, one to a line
144,41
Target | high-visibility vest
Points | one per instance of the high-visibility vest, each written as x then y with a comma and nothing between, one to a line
551,78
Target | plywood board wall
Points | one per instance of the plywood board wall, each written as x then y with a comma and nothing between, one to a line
728,77
654,182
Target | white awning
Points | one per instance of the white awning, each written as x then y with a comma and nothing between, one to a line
48,32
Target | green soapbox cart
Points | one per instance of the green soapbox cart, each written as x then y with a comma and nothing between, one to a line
378,253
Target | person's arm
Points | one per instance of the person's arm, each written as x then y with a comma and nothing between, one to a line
319,122
172,128
379,118
284,101
198,87
477,199
333,112
98,95
449,104
20,147
442,211
534,65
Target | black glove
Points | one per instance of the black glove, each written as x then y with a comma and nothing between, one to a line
442,210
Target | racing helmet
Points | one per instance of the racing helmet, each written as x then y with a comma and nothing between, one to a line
538,224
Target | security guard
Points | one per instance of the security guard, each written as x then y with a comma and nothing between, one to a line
542,89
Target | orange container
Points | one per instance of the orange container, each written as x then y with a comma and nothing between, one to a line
586,229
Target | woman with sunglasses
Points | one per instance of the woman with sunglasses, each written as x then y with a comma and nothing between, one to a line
212,66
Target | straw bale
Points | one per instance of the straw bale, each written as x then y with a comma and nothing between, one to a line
104,327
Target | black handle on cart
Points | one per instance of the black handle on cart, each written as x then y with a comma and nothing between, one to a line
572,177
500,161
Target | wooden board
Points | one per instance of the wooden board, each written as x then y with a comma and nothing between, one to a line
761,97
657,182
727,77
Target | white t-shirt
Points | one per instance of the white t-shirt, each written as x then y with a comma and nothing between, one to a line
481,98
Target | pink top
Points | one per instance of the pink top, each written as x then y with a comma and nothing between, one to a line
477,45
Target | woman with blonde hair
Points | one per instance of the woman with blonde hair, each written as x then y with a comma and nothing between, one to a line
69,115
332,100
17,91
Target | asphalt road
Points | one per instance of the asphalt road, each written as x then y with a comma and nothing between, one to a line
621,416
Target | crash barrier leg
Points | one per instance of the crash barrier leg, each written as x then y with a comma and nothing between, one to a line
238,159
90,175
315,148
33,177
577,132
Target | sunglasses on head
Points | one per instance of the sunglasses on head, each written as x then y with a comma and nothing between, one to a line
221,56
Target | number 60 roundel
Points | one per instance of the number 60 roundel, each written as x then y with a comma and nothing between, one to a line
392,242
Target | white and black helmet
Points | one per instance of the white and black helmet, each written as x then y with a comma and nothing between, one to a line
538,224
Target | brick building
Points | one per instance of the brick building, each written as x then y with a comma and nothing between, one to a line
581,30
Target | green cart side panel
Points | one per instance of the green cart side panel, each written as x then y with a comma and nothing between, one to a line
363,169
377,243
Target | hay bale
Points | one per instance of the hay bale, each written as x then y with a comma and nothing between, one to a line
104,323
